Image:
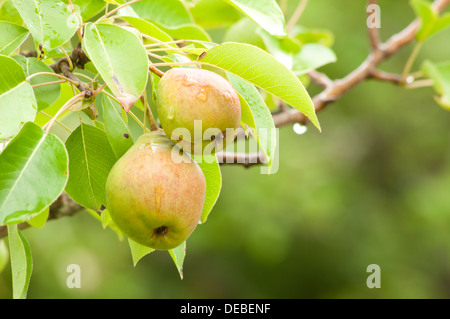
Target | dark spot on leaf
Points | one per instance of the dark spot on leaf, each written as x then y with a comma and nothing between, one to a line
102,207
116,81
201,56
126,135
99,213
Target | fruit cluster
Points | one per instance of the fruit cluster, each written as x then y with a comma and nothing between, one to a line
155,199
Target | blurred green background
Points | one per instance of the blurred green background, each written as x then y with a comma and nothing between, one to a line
372,188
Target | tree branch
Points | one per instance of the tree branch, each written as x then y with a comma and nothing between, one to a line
374,34
62,207
78,59
365,71
246,159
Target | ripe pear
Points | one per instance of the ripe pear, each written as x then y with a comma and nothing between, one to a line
153,199
186,96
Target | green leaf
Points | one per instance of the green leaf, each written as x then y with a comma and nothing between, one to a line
50,22
266,13
440,74
214,13
106,221
88,8
213,177
312,56
11,37
148,28
263,70
33,173
308,35
90,160
296,57
45,95
158,28
105,218
21,262
40,219
431,23
178,254
4,255
244,31
119,135
247,118
111,48
168,13
9,13
17,101
138,251
189,31
262,118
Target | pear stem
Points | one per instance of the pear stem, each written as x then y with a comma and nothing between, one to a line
148,111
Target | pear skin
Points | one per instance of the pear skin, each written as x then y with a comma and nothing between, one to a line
186,95
153,199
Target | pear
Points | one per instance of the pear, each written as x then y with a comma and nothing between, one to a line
155,193
197,106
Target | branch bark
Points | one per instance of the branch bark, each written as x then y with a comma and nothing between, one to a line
63,206
78,59
374,34
245,159
366,70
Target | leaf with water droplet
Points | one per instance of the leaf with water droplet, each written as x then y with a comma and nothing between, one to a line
51,23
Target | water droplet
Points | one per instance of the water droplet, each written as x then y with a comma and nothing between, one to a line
202,97
299,129
189,81
170,113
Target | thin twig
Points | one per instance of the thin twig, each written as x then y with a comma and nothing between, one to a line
178,63
48,83
246,159
56,121
419,84
157,71
374,34
296,15
388,77
136,119
158,43
148,112
64,108
158,57
108,14
320,79
411,60
52,74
